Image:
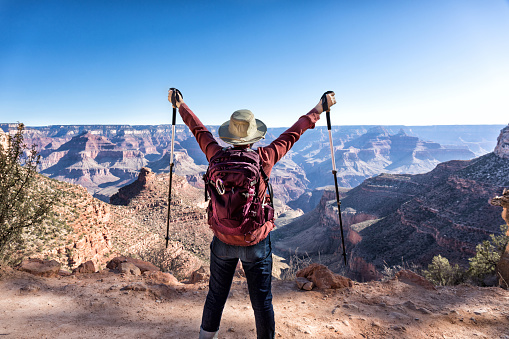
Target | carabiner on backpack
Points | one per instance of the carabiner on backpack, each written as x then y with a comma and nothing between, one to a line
220,186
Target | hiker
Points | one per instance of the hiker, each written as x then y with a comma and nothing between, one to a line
253,248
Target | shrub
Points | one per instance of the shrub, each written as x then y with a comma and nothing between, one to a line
487,256
295,264
24,203
440,272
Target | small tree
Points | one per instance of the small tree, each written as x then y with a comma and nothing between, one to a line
487,256
440,272
24,203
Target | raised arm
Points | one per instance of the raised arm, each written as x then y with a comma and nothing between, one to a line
205,139
272,153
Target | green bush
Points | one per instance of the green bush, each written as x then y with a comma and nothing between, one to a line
440,272
24,202
487,256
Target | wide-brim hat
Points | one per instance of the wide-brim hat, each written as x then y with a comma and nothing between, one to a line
242,128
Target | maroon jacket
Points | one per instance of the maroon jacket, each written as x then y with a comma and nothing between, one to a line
269,155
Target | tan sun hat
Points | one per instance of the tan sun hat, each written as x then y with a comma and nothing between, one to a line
242,128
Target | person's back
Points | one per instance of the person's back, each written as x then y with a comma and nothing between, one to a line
241,239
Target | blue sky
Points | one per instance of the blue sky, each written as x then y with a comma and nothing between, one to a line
389,62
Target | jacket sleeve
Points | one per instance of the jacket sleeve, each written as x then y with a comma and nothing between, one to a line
205,139
272,153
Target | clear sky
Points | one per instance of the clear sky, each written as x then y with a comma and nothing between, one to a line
418,62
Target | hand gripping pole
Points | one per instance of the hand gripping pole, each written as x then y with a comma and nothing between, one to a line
174,100
326,108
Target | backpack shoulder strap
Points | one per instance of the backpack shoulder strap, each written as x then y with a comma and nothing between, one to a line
269,185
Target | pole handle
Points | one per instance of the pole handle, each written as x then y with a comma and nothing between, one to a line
325,104
175,99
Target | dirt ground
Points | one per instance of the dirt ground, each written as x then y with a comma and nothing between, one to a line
112,305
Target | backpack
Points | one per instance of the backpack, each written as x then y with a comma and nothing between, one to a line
231,182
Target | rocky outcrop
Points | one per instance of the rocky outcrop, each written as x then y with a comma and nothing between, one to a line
323,278
502,148
147,198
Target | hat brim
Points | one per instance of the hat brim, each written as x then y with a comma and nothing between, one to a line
226,136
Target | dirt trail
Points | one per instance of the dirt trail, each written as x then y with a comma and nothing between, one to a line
99,306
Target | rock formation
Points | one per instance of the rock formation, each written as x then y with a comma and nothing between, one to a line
105,158
4,143
190,234
502,148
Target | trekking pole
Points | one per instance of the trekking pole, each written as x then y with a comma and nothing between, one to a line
334,172
174,99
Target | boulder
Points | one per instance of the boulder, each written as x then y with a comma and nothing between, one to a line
42,268
201,274
412,278
86,267
144,266
158,277
304,284
129,268
324,278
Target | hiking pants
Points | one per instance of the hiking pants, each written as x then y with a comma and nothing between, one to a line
257,264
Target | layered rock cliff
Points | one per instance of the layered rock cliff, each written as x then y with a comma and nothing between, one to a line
107,157
445,211
394,219
81,228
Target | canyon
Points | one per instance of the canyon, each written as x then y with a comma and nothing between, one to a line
103,158
389,215
402,219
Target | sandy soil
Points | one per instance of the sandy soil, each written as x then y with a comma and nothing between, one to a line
99,306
